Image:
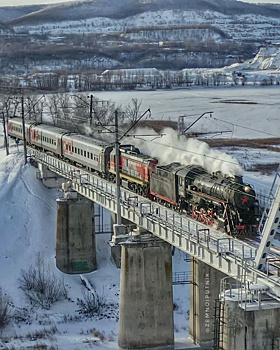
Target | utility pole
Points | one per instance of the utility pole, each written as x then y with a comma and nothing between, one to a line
90,110
119,229
23,130
5,135
197,120
118,183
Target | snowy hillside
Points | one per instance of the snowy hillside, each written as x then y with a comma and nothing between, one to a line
122,9
239,20
12,12
250,26
171,34
268,58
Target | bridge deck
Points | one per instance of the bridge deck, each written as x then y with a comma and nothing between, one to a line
229,255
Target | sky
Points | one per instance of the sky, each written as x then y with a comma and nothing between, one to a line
30,2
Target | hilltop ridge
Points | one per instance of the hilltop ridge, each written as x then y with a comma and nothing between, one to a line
115,9
96,35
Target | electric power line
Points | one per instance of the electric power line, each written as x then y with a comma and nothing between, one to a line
245,127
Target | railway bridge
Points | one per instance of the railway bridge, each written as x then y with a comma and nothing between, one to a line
235,291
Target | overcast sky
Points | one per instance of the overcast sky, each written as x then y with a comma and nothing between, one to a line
29,2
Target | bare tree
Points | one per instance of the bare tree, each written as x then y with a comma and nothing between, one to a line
80,108
63,79
59,107
4,308
132,110
41,286
10,105
54,108
103,111
65,106
34,106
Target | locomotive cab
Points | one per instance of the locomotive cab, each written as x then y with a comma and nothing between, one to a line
166,184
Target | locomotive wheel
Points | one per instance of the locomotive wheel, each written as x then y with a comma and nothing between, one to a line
144,191
202,218
138,189
194,213
209,222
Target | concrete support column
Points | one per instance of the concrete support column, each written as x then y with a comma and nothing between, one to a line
75,240
251,329
146,300
49,179
116,247
204,290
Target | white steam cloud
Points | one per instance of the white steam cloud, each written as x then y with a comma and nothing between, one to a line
169,149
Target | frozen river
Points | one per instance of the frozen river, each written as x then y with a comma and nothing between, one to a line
246,111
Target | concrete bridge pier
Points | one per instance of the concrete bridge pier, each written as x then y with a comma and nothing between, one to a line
250,317
146,299
245,318
204,291
75,239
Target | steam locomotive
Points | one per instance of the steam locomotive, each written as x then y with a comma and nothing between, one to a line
212,199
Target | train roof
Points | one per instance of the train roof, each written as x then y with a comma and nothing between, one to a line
88,140
191,170
172,167
19,121
51,129
182,170
44,127
132,152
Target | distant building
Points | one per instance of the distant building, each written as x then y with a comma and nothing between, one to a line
141,76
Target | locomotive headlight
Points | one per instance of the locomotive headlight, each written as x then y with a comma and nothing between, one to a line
247,189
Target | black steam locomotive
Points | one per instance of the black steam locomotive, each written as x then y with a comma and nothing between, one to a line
212,199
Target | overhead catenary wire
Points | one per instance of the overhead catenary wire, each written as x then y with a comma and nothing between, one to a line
234,125
244,127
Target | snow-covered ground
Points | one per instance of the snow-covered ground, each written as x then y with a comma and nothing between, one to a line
28,219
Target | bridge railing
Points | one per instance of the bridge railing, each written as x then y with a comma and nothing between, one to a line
229,255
